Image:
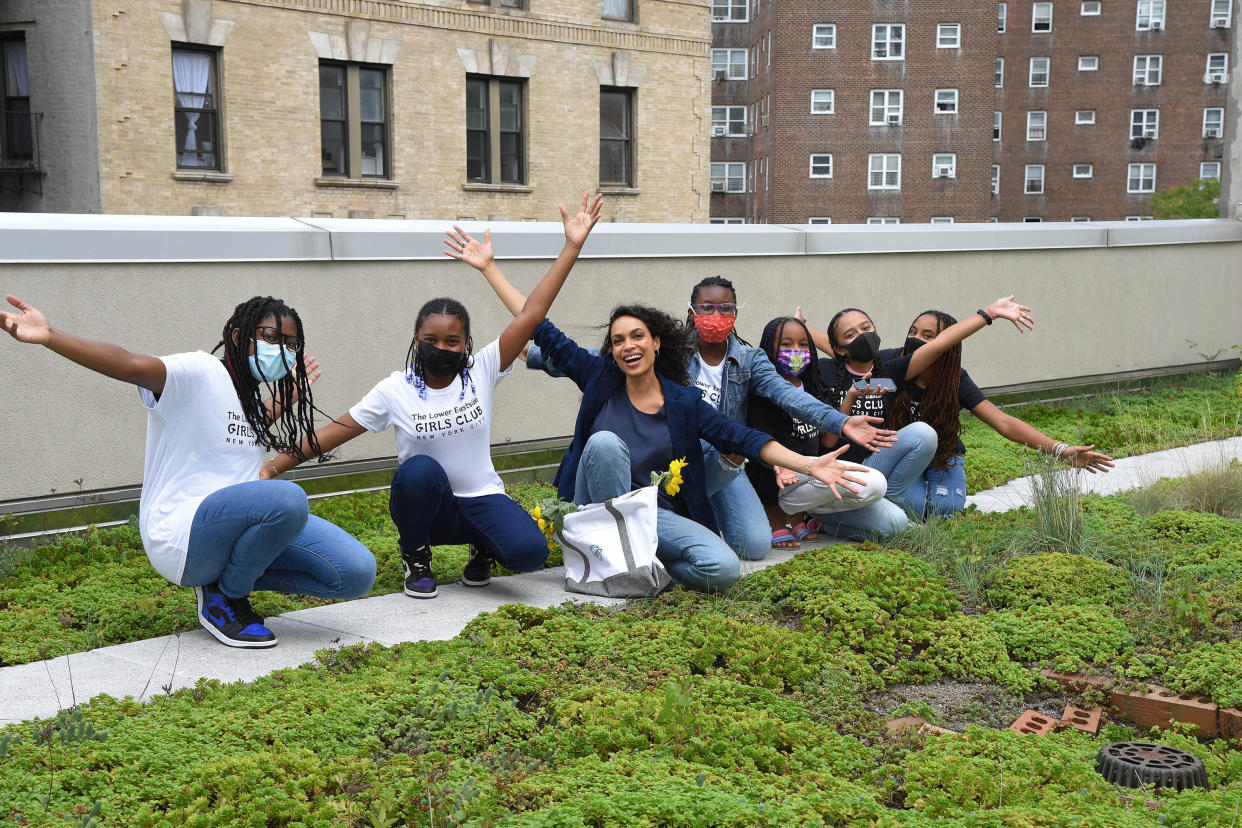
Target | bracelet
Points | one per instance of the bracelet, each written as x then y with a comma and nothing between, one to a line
1058,448
810,462
986,317
271,464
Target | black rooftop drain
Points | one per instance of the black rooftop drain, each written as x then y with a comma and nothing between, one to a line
1135,764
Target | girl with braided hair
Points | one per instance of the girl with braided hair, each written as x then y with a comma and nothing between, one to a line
207,520
936,397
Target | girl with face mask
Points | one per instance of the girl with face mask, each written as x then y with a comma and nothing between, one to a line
207,520
446,490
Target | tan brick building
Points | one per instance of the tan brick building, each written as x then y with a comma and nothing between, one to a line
488,109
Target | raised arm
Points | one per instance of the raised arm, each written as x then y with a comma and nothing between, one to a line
30,326
1011,428
1003,308
820,338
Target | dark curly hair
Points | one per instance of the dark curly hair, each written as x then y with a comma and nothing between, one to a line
812,382
705,282
433,307
841,376
675,344
940,408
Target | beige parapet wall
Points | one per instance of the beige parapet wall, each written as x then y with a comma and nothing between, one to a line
1107,297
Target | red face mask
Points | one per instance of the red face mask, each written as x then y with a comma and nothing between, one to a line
714,327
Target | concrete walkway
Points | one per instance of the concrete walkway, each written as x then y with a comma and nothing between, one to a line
146,669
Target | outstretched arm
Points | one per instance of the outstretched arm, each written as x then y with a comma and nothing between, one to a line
825,468
535,308
1003,308
1011,428
30,326
336,433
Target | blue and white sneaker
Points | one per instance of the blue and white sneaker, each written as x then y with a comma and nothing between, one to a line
231,620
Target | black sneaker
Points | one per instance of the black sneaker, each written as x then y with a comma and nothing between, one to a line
419,582
478,571
231,620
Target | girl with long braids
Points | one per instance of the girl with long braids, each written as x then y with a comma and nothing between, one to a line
446,490
937,397
207,520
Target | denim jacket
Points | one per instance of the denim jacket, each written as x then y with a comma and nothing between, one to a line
690,420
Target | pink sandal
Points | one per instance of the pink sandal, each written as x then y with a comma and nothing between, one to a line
784,539
807,530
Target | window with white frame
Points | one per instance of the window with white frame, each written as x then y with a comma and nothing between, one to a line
888,41
728,120
726,220
1209,170
1032,219
1213,122
1141,178
615,9
885,106
996,125
1147,70
1084,117
884,172
941,220
819,220
1090,8
883,220
1150,17
1145,123
948,35
821,165
1222,12
729,11
996,179
1037,126
1034,179
824,36
944,165
1000,72
1088,63
1084,171
1041,17
823,101
946,102
993,219
729,63
1080,219
728,177
1217,66
750,176
1001,9
1139,218
1039,71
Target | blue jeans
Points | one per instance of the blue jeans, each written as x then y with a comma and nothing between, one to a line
427,513
261,535
694,556
739,512
939,493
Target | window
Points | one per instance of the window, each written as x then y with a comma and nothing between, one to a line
946,102
944,165
996,179
1039,71
885,106
728,120
1221,13
1000,17
1034,179
194,105
617,9
1209,170
948,35
495,133
941,220
729,177
821,165
1091,8
1084,171
729,11
729,64
1000,72
1147,70
885,172
1037,126
1080,219
1032,219
507,4
823,101
1142,178
1150,16
1145,123
1217,66
883,220
819,220
1088,63
1138,218
616,136
1213,122
1041,17
888,41
996,126
824,36
726,220
1085,117
16,124
354,140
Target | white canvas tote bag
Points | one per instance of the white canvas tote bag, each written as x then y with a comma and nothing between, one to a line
610,548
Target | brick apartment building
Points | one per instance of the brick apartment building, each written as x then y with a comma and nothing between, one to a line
488,109
926,111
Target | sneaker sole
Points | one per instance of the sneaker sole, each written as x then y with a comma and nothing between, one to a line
221,637
413,594
475,584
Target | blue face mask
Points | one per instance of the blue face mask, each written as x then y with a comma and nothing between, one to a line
270,362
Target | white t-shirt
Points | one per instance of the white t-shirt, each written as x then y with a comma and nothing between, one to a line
198,442
454,431
711,381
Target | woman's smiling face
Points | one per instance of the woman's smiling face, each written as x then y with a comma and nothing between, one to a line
633,346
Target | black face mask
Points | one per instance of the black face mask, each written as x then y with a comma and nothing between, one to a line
864,347
913,343
441,363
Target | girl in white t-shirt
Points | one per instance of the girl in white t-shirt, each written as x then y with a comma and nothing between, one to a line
445,490
207,520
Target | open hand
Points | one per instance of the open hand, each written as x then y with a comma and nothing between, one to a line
579,226
784,477
865,431
827,470
1006,308
27,325
1083,457
798,315
461,246
312,369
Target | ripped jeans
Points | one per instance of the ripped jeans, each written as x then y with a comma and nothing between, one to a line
938,493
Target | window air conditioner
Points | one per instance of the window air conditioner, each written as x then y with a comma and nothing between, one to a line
763,119
720,74
893,120
1211,132
717,131
942,172
1156,25
1220,22
1149,134
718,186
1216,78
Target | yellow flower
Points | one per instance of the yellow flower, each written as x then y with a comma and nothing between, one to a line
543,524
673,486
537,514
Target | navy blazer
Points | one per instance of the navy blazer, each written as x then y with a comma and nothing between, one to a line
689,420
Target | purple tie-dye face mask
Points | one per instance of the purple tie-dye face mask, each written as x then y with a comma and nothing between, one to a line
792,361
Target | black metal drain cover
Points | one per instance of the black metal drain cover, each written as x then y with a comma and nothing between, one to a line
1135,764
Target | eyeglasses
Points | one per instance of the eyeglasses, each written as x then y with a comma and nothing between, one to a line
709,308
273,336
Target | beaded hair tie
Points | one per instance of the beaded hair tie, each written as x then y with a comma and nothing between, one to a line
414,376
